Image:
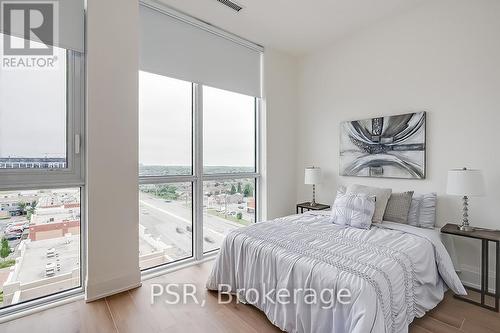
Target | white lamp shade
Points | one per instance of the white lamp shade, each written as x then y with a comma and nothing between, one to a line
312,176
465,182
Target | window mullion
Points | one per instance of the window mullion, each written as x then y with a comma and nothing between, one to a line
198,170
166,179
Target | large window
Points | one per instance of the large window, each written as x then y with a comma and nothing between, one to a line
228,132
41,247
198,170
33,117
164,126
41,181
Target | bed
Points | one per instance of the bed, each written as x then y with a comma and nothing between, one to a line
393,273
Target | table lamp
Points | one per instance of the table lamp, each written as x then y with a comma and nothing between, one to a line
465,182
312,176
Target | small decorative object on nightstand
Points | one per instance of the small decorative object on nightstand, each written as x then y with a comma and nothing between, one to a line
312,176
465,182
307,206
486,236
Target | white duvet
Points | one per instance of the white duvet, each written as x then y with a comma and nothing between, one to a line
394,273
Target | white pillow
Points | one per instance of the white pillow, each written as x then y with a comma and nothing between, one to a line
381,197
423,210
355,210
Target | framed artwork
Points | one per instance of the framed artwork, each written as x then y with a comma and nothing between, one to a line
390,147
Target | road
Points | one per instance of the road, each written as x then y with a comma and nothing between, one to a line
171,221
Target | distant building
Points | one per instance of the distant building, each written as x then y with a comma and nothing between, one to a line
54,230
251,205
223,199
43,267
11,202
32,163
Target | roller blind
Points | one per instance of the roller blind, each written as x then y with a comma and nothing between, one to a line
173,47
69,18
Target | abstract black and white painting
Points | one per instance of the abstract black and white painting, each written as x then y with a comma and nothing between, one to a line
390,147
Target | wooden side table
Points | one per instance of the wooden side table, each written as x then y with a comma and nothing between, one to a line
486,236
307,206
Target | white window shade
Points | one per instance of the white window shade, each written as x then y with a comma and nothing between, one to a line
69,25
173,47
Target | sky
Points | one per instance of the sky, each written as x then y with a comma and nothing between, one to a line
33,111
165,124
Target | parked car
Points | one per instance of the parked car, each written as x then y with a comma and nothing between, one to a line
15,229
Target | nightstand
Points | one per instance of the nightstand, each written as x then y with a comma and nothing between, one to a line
307,206
486,236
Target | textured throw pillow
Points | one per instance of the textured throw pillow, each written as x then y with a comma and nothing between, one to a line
423,210
355,210
381,197
398,207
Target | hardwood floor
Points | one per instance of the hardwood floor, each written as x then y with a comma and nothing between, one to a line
132,312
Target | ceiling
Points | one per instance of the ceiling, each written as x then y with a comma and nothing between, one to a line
292,26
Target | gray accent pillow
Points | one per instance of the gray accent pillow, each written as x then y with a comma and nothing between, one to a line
423,210
398,207
381,196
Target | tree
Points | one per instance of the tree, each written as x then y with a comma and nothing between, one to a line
248,190
168,192
29,212
22,207
239,216
4,249
233,190
239,188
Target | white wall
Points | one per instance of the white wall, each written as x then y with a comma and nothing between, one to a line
444,58
279,147
112,146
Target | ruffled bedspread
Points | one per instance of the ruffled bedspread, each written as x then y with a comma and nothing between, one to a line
393,273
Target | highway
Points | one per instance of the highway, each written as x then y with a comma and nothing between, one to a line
171,221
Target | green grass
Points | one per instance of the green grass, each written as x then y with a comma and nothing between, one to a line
228,217
7,263
1,297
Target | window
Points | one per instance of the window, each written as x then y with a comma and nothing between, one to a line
227,205
228,132
165,223
33,117
41,122
40,243
202,131
41,182
164,126
186,206
165,153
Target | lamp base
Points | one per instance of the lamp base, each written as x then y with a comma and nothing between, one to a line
313,202
466,228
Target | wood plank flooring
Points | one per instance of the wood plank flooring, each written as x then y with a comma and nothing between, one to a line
132,312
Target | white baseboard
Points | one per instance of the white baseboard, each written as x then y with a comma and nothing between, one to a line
112,292
471,277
